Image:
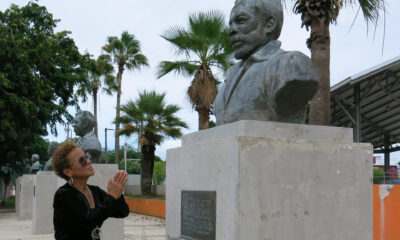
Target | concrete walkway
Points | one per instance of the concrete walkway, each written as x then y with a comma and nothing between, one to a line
137,227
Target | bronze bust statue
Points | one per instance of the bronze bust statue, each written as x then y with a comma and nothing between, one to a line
83,126
268,83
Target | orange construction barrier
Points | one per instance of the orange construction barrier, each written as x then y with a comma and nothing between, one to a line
386,212
149,207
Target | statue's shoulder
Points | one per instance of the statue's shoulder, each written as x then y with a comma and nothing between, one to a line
294,65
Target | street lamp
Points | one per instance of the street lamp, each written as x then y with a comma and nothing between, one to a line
105,133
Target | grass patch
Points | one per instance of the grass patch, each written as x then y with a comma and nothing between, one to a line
152,197
10,203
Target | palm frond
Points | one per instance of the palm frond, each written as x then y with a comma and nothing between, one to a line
180,39
127,130
150,118
184,67
207,25
137,61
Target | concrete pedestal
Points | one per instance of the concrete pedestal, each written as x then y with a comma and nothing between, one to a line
17,194
44,187
25,196
273,181
113,228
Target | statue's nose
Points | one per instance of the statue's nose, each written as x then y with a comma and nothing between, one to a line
232,30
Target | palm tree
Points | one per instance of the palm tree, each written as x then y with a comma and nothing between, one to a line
99,76
318,15
151,119
125,53
204,44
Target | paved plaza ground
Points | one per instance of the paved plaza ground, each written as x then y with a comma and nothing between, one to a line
137,227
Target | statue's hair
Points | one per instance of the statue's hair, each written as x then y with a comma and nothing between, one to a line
88,116
59,160
268,8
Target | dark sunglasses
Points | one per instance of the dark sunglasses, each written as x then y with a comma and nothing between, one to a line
83,160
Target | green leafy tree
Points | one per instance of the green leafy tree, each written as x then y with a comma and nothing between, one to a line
317,15
159,171
99,77
39,69
204,44
126,54
132,167
378,175
151,119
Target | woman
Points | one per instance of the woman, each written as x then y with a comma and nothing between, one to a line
80,209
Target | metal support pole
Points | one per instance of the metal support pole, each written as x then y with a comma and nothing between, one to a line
125,156
387,158
357,102
105,138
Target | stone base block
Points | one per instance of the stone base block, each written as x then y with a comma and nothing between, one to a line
44,187
113,228
293,182
25,196
17,194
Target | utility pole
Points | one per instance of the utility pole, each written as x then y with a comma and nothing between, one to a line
125,156
67,130
105,138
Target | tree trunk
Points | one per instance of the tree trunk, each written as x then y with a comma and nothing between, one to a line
119,82
6,180
3,201
95,111
319,43
147,166
204,117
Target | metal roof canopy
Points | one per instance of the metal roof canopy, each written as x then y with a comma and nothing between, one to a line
369,102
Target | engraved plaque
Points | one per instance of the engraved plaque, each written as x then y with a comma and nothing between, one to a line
198,212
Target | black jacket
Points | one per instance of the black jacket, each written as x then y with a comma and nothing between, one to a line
73,218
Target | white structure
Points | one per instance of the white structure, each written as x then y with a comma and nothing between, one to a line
25,196
45,184
272,181
17,194
113,228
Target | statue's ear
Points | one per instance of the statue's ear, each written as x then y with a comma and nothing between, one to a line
270,25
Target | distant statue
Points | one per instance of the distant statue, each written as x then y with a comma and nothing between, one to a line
268,83
50,150
83,126
35,164
27,165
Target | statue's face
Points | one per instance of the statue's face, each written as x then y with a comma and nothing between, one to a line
79,126
246,30
35,157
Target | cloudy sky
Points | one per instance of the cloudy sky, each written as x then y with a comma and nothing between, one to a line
91,21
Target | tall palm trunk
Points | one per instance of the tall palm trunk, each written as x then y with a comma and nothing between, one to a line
204,116
118,112
147,166
95,110
319,43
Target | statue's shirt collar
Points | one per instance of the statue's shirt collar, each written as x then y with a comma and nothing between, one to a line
266,52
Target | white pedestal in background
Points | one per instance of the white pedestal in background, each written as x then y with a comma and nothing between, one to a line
25,196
